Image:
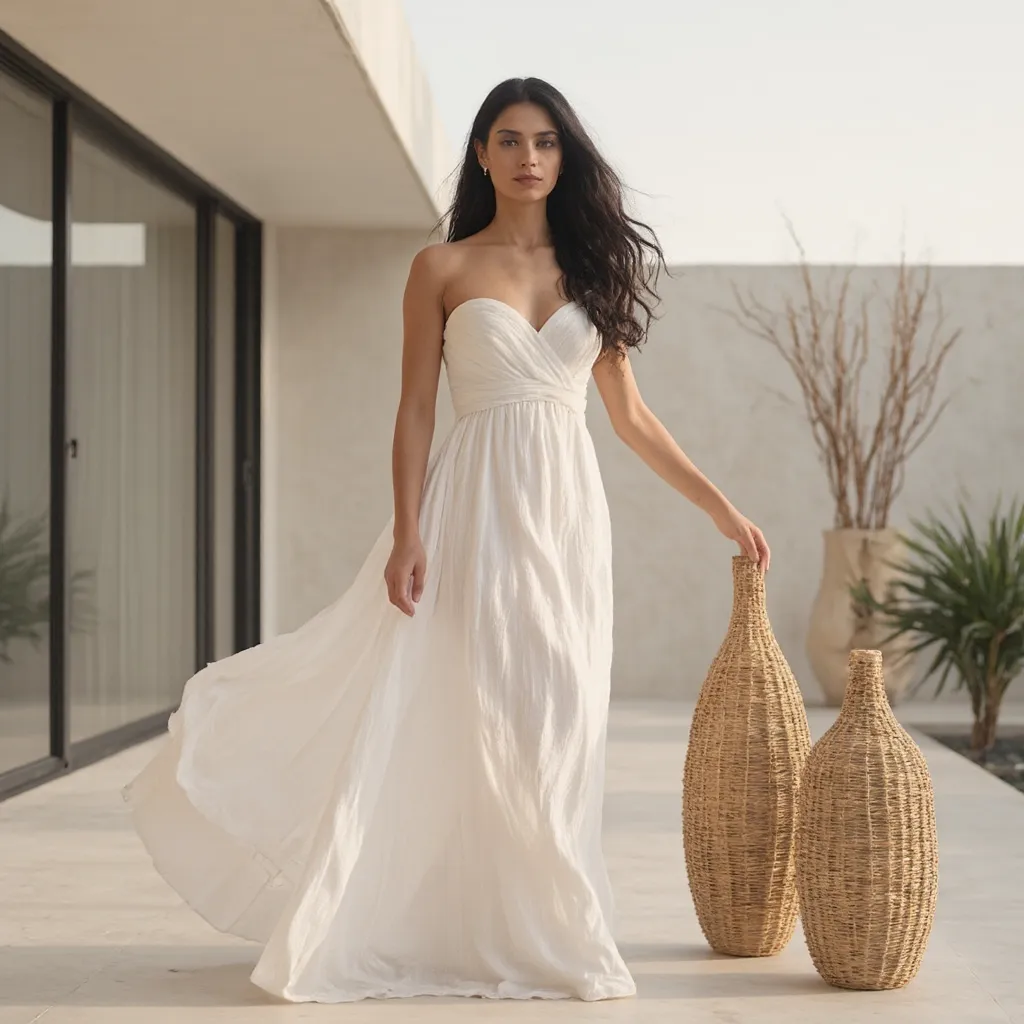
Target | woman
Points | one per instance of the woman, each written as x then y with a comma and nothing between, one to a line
410,804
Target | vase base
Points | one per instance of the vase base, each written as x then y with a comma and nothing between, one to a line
850,985
769,946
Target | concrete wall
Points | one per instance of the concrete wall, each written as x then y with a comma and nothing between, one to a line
331,379
334,344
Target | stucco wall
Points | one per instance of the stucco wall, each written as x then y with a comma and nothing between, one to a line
333,357
331,377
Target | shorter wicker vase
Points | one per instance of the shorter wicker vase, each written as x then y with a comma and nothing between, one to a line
867,853
748,744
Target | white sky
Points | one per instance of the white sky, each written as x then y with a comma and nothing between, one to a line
864,121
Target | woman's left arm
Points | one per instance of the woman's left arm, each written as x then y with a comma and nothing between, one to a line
642,431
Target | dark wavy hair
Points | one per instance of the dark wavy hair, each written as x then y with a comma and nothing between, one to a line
610,261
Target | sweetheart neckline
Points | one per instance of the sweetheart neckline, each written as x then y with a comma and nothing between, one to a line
512,309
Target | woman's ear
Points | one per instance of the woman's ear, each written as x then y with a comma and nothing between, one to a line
481,153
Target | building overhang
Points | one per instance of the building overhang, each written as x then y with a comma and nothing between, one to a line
311,112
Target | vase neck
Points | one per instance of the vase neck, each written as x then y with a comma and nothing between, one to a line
748,596
865,686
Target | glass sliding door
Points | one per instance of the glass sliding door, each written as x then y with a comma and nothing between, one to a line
130,334
131,423
224,507
26,128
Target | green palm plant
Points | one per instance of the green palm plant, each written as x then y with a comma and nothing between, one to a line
959,596
24,580
25,583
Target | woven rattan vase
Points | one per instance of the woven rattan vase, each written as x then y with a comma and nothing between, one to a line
748,744
867,855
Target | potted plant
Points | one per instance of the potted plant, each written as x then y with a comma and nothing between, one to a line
960,597
869,410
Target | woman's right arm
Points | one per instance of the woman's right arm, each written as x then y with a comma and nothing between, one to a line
423,318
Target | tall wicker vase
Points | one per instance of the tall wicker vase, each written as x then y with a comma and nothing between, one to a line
867,854
748,744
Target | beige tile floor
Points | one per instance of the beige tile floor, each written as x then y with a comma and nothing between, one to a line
89,934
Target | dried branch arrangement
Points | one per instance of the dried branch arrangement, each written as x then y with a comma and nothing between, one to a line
826,340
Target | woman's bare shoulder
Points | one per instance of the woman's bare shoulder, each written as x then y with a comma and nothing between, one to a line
440,260
436,266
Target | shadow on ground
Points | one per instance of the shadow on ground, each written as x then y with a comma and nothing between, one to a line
666,952
728,985
186,976
207,976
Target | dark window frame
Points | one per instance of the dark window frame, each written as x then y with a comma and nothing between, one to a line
74,109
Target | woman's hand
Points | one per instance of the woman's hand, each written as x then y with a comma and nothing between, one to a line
750,539
406,573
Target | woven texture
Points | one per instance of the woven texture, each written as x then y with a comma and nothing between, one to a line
748,743
867,853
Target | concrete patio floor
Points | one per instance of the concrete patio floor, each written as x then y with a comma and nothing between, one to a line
89,933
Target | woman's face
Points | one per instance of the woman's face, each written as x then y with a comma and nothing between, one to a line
523,154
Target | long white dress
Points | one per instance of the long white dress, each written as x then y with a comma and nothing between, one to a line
401,807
